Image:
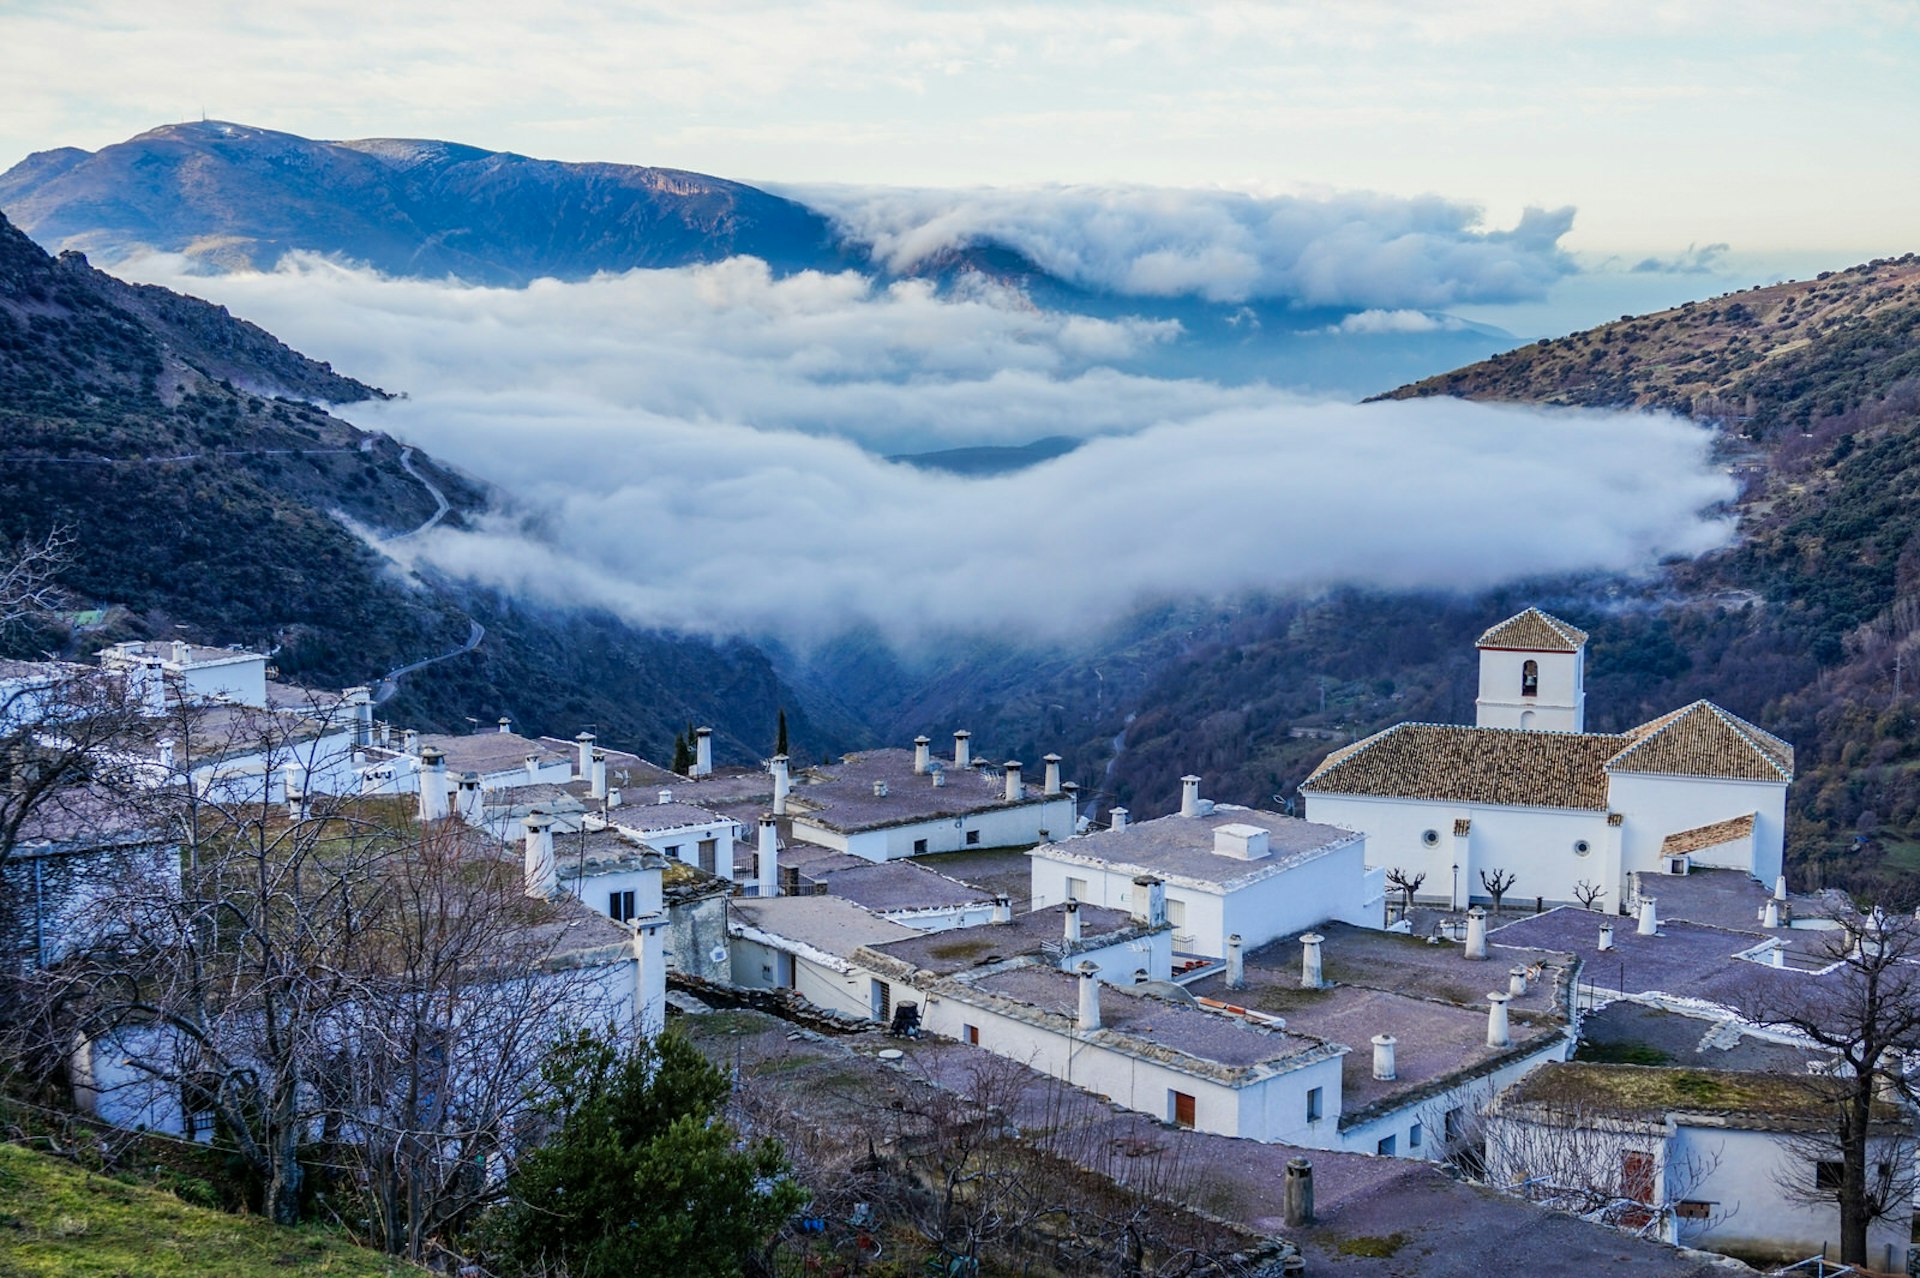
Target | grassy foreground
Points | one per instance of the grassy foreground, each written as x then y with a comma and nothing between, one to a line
56,1218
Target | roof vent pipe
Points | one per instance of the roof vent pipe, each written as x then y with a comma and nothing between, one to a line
1236,963
1606,937
533,767
1476,933
542,878
781,784
1516,981
410,741
1015,791
506,725
1383,1067
922,755
767,863
1780,888
1497,1034
1649,917
1311,977
963,749
1052,786
433,785
1189,796
1117,819
1073,922
1298,1203
1089,997
597,786
585,742
1003,908
1772,918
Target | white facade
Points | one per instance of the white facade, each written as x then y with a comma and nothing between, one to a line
1017,826
197,675
1653,807
1557,701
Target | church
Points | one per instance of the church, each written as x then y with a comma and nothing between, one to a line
1528,795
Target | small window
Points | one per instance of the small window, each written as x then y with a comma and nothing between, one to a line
674,852
1530,679
1692,1209
620,907
1636,1175
1581,847
1076,889
1313,1104
1450,1125
1176,912
1385,1147
919,846
971,1034
1416,1136
1180,1108
973,838
1430,837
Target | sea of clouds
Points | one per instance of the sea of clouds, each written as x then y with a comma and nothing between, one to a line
704,449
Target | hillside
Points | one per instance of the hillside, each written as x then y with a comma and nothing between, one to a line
60,1220
237,196
202,489
1810,624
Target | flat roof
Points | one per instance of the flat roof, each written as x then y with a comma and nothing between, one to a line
488,750
840,797
586,853
1179,847
1684,960
1768,1101
655,817
888,886
959,949
827,924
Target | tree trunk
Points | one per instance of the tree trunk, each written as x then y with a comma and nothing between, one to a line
1855,1212
283,1187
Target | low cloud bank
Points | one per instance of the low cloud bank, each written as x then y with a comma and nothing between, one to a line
1351,250
697,450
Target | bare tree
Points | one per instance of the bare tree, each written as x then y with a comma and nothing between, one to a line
1865,1008
63,736
28,576
1589,894
1406,884
1496,882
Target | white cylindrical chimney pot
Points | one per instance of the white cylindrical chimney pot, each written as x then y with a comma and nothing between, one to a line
922,755
1072,913
781,784
1649,917
1003,909
1780,888
585,742
1189,796
1606,937
1476,933
1772,918
1516,981
597,775
165,747
1052,786
469,798
664,797
433,785
1236,963
1089,1018
153,688
296,805
767,860
506,725
703,752
1383,1063
1117,819
963,749
1015,791
1311,977
1497,1033
1779,955
542,876
410,741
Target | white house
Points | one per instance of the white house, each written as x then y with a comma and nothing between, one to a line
1526,792
882,805
192,672
1716,1159
1226,869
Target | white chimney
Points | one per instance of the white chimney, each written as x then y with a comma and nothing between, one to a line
585,742
182,652
1149,901
410,741
1772,918
165,745
1779,955
1517,981
1606,937
1073,922
1053,773
1117,819
1015,791
665,796
879,789
703,752
1241,842
767,866
597,775
386,735
939,778
1089,997
296,805
1383,1065
1310,969
469,798
433,785
1476,933
533,767
1236,963
781,784
1649,917
922,755
542,877
1497,1035
506,725
1189,796
153,688
1003,908
361,702
963,749
1780,888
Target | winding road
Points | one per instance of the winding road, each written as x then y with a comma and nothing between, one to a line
390,682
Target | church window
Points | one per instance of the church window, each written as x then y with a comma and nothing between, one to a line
1530,679
1581,847
1430,837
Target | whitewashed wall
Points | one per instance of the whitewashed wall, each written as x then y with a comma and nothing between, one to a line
1656,806
1558,706
998,828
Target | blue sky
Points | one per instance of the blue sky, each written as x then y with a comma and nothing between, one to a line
1781,130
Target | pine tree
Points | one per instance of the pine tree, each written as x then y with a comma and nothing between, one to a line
780,734
682,754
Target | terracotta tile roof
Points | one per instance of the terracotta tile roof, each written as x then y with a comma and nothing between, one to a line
1702,740
1534,631
1707,836
1474,765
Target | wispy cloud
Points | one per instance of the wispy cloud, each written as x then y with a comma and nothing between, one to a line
1702,259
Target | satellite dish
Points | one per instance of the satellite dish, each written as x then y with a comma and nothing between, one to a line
718,954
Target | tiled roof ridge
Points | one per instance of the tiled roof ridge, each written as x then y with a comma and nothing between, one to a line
1778,758
1522,633
1359,747
1710,835
1337,757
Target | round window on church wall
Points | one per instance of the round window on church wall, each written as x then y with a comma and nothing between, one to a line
1430,838
1581,847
